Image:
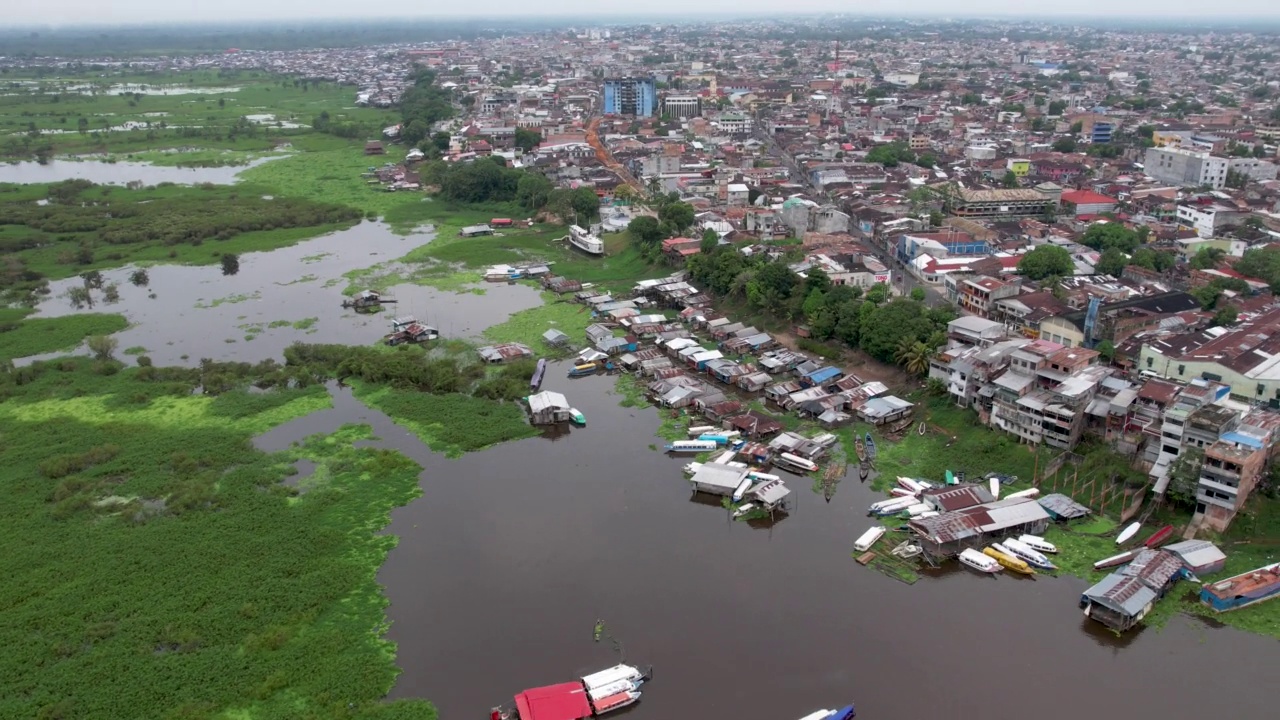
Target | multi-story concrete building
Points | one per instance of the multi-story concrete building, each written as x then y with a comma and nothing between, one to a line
1031,202
682,107
1253,168
1046,392
1207,220
1186,168
1231,469
630,96
977,295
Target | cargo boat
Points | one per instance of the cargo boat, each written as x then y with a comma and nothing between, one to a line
1242,590
588,697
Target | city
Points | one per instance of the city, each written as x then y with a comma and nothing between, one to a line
1017,277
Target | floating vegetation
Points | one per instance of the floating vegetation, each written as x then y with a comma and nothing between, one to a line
24,338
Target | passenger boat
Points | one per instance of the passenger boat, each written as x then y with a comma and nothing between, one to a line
1036,542
588,697
1028,493
1158,537
697,430
979,562
901,492
915,510
1029,554
716,438
1128,533
1008,560
577,417
869,538
871,448
744,509
1243,590
891,506
860,448
931,513
585,241
762,477
994,484
844,713
1114,560
742,488
795,462
910,484
536,380
725,457
689,446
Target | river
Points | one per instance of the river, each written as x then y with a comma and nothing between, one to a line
512,554
189,312
121,173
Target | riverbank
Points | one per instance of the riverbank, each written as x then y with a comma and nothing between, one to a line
22,337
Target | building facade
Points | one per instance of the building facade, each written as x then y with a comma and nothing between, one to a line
1186,168
630,96
682,107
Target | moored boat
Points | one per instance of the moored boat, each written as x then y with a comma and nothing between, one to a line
1127,534
891,506
577,417
1028,493
869,538
742,488
1007,559
795,462
697,430
978,561
744,509
589,696
994,484
844,713
691,468
914,486
915,510
689,446
1159,537
1114,560
922,428
907,550
863,472
1242,590
901,492
860,448
1029,554
536,381
585,241
1038,543
871,447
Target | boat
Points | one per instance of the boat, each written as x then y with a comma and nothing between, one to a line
860,448
577,417
744,509
536,380
1008,560
922,428
692,468
1127,534
1243,590
589,696
689,446
844,713
1036,542
871,448
1158,537
907,550
891,506
994,484
869,538
916,510
1114,560
863,472
762,477
697,430
913,485
1028,493
795,462
979,562
585,240
716,438
901,492
742,488
950,478
725,457
931,513
1029,554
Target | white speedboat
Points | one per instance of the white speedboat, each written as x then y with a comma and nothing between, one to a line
979,562
1038,543
1029,554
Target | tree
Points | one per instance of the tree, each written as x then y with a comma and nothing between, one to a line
1153,259
1065,145
1206,257
884,327
1107,350
918,294
1057,107
527,139
1045,261
533,191
1101,236
585,203
1111,263
1010,179
645,230
230,264
102,346
1226,315
441,141
891,154
677,215
710,240
1076,127
913,355
1262,263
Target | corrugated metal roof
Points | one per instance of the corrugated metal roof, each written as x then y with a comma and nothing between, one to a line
1155,568
719,476
1197,553
1121,593
1063,506
547,400
980,519
771,492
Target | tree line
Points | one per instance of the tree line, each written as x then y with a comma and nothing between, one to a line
423,105
489,179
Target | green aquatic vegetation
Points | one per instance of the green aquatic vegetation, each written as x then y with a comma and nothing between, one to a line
241,403
230,299
220,612
303,279
331,176
135,350
527,326
34,336
451,424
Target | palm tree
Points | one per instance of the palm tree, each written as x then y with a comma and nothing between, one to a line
914,356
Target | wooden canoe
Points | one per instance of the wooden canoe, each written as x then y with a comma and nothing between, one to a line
860,449
922,428
1159,537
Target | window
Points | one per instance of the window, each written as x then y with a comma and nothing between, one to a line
1150,359
1182,369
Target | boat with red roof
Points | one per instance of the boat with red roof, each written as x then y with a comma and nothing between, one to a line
587,697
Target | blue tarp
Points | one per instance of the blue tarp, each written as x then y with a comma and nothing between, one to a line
825,374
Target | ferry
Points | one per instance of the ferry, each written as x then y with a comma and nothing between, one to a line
588,697
690,446
742,488
585,240
979,562
1243,590
717,438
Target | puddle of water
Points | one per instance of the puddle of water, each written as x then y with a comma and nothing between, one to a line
121,173
197,312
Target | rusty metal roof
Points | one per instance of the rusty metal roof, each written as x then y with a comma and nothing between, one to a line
1155,568
979,519
1122,594
958,497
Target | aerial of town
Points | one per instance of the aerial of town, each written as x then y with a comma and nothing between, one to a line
764,368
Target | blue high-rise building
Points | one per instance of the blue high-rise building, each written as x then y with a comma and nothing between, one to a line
1102,132
630,96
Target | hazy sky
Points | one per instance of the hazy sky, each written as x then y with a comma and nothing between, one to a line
60,12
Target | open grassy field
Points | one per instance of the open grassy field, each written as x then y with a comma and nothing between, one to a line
154,562
527,326
21,337
451,424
